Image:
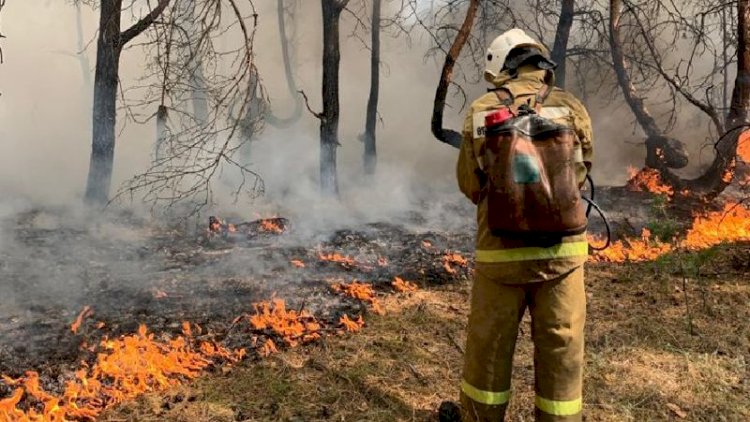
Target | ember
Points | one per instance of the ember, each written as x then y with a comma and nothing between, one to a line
159,294
85,313
450,259
297,263
647,180
360,291
292,326
345,261
271,225
402,286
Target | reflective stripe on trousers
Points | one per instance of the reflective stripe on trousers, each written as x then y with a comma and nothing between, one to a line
489,398
559,407
562,250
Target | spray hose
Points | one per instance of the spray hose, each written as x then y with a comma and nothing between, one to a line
593,205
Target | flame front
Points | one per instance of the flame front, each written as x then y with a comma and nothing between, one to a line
731,224
124,368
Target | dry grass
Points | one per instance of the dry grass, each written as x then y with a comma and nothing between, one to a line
643,361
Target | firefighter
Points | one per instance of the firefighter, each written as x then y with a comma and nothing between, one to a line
513,275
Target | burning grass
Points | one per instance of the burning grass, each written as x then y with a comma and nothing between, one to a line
730,224
642,362
124,369
360,291
344,260
403,286
294,327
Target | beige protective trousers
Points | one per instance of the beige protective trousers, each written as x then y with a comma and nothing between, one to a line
558,312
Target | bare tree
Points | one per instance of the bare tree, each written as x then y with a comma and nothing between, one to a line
197,141
286,55
658,35
370,153
329,117
448,136
109,47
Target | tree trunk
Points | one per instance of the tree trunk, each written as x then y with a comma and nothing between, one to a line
451,137
661,151
329,119
105,102
108,48
285,122
629,91
720,173
370,155
560,48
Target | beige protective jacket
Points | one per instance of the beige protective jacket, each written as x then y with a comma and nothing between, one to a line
517,261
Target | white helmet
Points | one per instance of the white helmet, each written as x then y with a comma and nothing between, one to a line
501,46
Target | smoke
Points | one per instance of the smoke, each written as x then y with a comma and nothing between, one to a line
46,130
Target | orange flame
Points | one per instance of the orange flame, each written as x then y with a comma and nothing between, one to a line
297,263
268,348
346,261
451,259
269,225
647,180
731,224
85,313
350,325
292,326
633,250
124,368
402,286
360,291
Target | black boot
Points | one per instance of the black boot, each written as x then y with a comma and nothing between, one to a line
449,412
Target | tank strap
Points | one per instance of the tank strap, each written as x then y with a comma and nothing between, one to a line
543,93
505,96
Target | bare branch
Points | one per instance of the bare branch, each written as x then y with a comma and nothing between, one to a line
307,104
